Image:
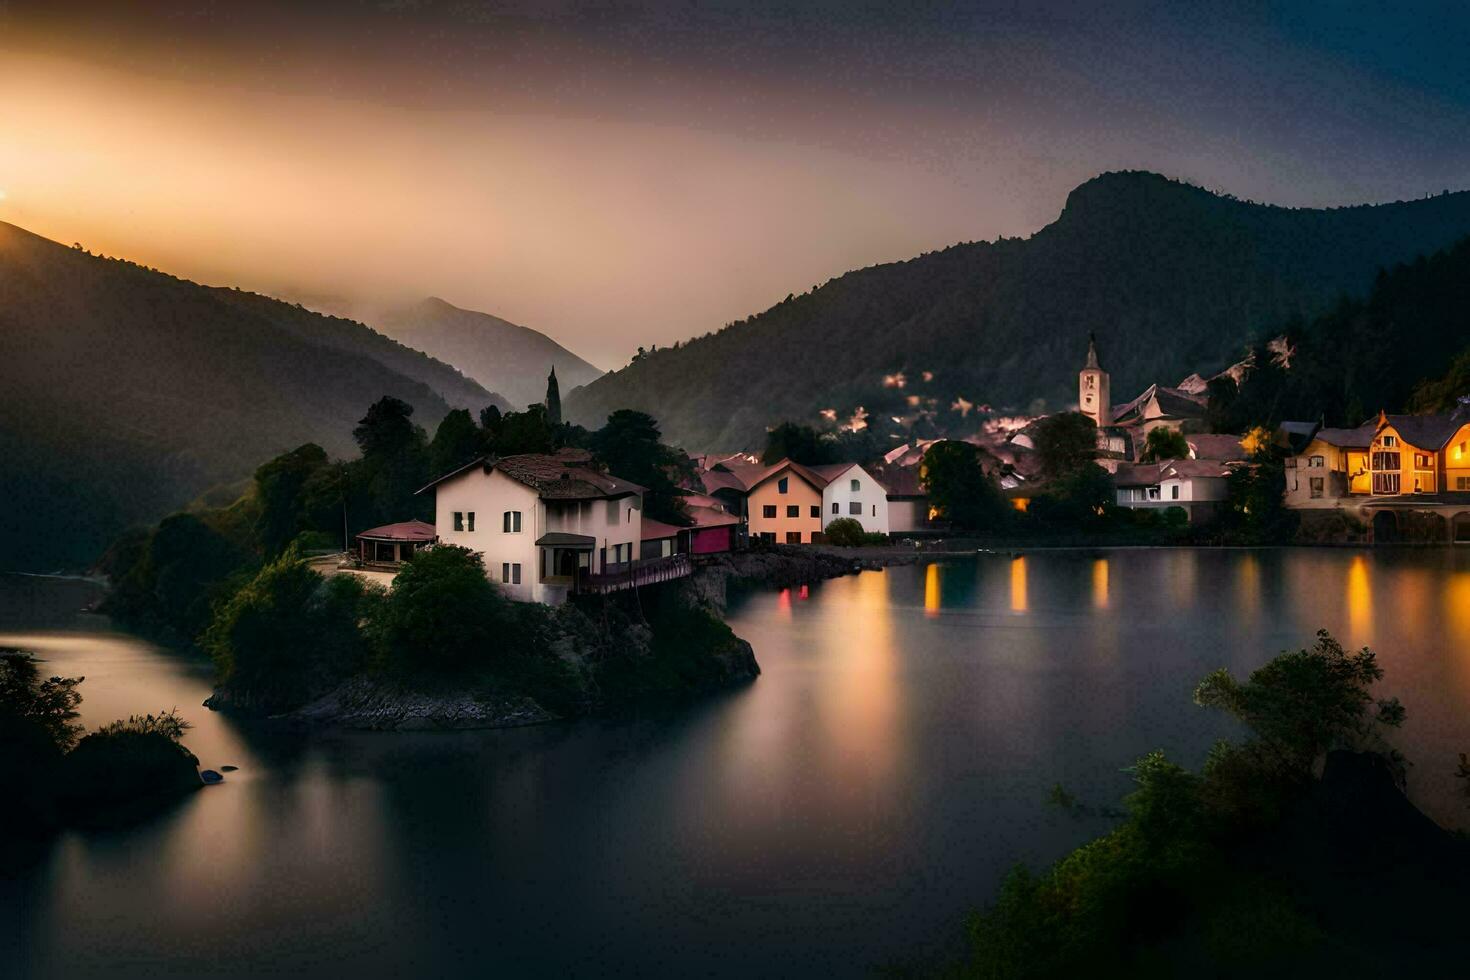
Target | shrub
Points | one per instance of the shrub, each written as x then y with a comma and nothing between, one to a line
289,633
846,533
443,614
134,764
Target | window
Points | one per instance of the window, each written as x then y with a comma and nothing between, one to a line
1386,461
510,522
612,511
836,507
1386,482
458,521
1153,493
1174,492
469,521
856,486
505,571
1317,462
875,510
515,574
1316,484
817,511
1390,441
1422,461
793,510
768,536
1462,483
781,485
769,510
793,537
856,507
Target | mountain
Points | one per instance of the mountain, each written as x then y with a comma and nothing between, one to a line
501,355
125,392
1172,278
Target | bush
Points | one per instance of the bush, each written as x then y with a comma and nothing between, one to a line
443,614
36,729
846,533
130,765
289,634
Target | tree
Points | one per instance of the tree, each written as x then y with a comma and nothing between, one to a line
1076,498
387,430
958,487
279,486
443,614
288,634
800,444
457,441
553,399
490,421
394,464
1064,443
845,532
1164,443
629,446
524,432
37,727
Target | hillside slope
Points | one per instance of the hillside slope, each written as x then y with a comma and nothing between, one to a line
1172,278
125,392
500,355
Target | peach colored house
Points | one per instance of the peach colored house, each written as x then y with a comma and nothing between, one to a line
784,504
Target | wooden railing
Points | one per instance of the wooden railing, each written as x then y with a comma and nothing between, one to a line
637,573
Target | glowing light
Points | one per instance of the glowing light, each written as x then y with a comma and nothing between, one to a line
1018,585
1021,503
895,380
1359,598
1100,584
783,601
803,594
931,590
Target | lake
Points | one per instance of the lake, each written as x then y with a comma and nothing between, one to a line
841,813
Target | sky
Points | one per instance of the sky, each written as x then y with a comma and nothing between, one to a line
624,174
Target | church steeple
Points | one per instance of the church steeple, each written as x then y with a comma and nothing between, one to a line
1094,390
553,398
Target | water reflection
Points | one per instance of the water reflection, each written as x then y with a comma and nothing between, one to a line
931,589
1359,598
1018,584
1100,583
1248,587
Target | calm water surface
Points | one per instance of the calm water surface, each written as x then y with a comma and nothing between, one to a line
841,813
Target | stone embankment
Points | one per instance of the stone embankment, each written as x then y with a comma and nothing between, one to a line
783,566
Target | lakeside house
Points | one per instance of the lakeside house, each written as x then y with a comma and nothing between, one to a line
1331,465
388,546
548,525
1197,486
783,504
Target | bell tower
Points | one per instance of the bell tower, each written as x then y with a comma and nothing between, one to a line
1094,393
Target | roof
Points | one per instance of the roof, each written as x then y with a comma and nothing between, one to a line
653,530
806,473
1359,438
1173,403
565,539
566,475
402,531
1425,431
712,517
899,481
1147,474
720,479
1216,446
832,471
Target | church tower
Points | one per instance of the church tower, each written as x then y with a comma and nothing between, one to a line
553,399
1094,393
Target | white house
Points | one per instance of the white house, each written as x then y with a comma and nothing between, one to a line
1198,486
540,521
851,491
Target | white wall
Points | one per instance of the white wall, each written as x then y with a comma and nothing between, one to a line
906,515
489,497
871,498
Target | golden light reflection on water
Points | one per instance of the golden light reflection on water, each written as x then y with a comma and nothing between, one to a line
1248,587
862,701
1018,585
1457,613
931,590
1359,599
1100,584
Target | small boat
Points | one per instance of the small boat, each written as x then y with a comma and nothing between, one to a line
209,777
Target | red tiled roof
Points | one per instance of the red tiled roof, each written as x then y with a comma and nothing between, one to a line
816,480
712,517
402,531
563,476
654,530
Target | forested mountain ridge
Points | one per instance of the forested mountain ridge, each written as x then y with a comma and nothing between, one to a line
125,392
1171,277
503,356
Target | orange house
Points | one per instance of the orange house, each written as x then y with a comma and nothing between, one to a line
1420,454
784,504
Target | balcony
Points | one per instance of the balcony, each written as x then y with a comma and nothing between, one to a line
630,575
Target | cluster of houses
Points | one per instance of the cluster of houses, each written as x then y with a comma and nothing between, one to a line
551,524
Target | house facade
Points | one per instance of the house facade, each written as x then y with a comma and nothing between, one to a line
851,491
541,523
784,504
1331,468
908,505
1199,487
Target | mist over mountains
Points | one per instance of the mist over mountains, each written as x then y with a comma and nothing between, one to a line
125,392
1172,278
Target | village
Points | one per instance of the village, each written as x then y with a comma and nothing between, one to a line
551,525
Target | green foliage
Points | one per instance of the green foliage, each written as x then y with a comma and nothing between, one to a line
49,705
847,532
456,442
279,487
799,443
524,432
1079,498
1065,443
1168,891
1255,504
629,446
1444,394
443,615
289,633
134,764
959,488
1304,703
1164,443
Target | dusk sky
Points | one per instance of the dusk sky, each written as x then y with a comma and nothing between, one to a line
627,174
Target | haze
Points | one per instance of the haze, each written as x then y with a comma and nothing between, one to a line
644,173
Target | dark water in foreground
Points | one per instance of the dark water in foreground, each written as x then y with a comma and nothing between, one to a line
841,813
